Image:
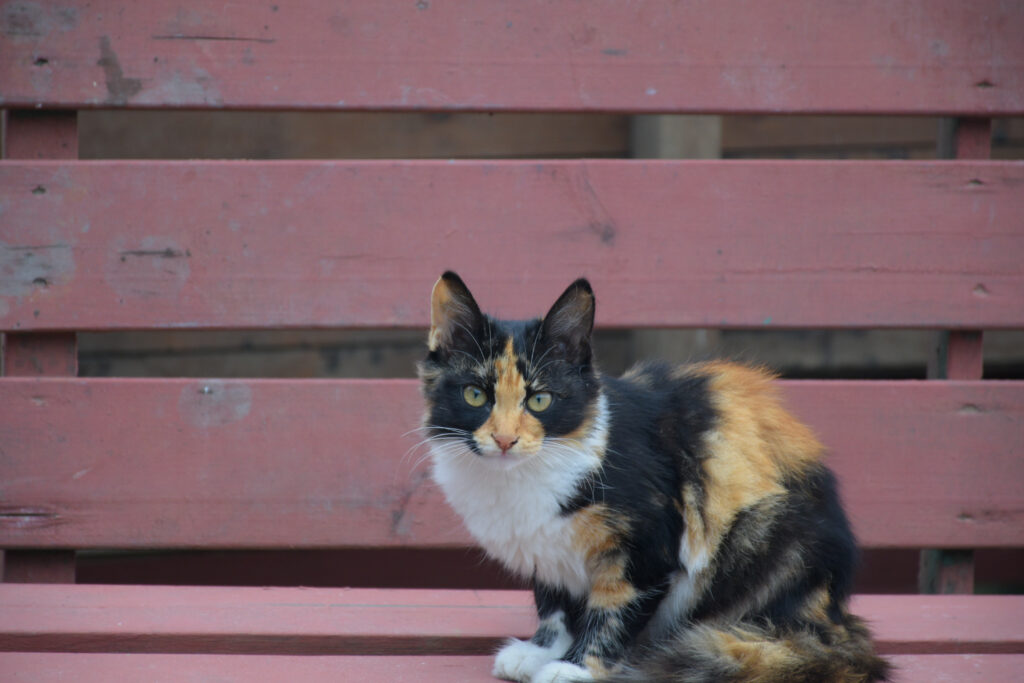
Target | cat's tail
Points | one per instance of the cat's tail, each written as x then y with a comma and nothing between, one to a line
749,653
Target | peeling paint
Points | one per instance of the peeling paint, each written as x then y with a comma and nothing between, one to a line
120,88
183,86
26,268
30,21
23,20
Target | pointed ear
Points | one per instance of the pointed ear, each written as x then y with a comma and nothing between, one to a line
455,319
570,322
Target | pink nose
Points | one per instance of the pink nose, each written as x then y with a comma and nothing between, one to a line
505,442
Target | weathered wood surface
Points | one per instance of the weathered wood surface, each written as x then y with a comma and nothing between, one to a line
206,619
150,463
101,668
29,134
114,245
939,56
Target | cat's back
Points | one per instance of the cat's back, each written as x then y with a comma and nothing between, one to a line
718,409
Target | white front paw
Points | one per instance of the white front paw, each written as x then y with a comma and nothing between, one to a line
562,672
520,660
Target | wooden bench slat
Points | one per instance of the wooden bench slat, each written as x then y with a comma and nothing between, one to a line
940,56
159,668
358,244
184,463
101,668
238,620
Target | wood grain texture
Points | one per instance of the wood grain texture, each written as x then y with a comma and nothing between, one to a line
116,245
100,668
218,620
149,463
940,56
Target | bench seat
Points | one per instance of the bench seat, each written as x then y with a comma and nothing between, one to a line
156,668
159,668
331,621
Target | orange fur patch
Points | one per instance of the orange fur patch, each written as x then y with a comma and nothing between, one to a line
696,537
440,312
755,443
597,533
816,607
609,589
583,431
509,418
595,666
755,654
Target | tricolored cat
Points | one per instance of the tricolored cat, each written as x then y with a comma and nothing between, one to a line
677,523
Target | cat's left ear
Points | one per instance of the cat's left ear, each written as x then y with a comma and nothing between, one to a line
570,322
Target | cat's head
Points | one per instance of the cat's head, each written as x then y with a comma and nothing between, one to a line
502,390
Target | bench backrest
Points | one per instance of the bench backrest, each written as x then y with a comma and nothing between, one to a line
175,463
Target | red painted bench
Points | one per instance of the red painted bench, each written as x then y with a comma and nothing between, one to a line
307,464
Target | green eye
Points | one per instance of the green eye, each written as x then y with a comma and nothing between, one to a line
474,396
539,401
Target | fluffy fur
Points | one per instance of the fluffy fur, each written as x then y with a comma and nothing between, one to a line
677,523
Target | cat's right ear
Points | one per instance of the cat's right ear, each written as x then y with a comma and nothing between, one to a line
455,319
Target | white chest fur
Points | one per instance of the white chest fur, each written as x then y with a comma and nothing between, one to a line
515,514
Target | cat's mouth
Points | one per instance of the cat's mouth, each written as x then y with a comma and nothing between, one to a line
502,459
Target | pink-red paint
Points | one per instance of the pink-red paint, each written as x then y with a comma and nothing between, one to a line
321,621
181,463
731,56
359,244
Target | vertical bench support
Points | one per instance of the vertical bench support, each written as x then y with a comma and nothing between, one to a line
956,355
40,135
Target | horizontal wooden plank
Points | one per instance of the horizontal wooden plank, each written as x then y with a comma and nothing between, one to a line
219,620
940,56
149,463
101,668
114,245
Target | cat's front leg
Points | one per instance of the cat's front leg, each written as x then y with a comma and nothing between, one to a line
616,612
520,660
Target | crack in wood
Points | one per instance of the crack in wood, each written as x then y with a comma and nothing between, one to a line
241,39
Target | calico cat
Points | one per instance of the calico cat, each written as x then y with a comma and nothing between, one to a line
677,523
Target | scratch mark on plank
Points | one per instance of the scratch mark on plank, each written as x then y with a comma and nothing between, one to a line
162,253
27,517
399,524
241,39
35,247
